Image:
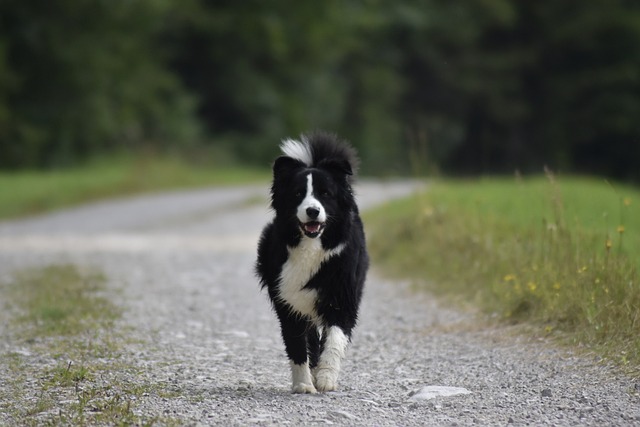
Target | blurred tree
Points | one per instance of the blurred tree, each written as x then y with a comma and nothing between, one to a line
80,77
586,85
480,87
265,71
503,85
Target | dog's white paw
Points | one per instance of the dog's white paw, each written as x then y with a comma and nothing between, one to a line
303,388
301,379
326,379
326,373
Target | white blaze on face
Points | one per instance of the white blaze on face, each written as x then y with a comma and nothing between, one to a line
310,201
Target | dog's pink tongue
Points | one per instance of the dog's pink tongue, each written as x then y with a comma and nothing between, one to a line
312,227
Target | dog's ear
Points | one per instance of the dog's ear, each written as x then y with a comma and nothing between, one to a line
338,166
283,171
284,165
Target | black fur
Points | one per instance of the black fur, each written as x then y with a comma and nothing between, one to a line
339,280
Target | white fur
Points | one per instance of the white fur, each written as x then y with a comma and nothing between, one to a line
310,201
303,263
302,380
326,373
297,150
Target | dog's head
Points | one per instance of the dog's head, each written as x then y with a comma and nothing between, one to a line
312,185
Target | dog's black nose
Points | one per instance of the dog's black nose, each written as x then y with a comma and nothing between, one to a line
313,213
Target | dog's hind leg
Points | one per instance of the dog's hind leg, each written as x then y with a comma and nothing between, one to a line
335,346
315,344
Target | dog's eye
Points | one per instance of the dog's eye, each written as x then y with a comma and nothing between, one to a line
324,193
298,193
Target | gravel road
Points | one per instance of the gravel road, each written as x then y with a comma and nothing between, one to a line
183,265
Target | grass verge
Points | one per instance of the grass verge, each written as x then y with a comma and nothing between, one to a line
561,255
30,192
66,365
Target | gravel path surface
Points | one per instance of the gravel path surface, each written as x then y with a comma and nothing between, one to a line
183,263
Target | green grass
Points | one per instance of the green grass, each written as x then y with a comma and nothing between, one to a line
562,255
30,192
62,301
70,369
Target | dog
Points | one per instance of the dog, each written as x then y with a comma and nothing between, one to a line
312,257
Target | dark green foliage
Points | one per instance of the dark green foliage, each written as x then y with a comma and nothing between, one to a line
504,85
82,77
475,87
267,70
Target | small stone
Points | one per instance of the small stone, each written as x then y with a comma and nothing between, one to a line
546,392
510,421
343,414
245,384
431,392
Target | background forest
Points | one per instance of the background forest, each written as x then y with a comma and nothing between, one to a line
484,87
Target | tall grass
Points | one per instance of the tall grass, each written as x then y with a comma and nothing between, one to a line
561,254
30,192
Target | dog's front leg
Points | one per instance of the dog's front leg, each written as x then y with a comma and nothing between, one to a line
295,342
301,378
335,345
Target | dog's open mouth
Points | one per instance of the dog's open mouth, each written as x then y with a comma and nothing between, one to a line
312,228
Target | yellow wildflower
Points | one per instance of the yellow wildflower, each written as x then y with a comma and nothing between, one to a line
608,244
428,211
627,201
620,229
556,286
509,277
532,287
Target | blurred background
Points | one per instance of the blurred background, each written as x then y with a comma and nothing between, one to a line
427,86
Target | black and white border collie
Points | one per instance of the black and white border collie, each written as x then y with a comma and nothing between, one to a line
312,257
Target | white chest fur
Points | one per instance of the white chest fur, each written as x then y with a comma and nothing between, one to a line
303,263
